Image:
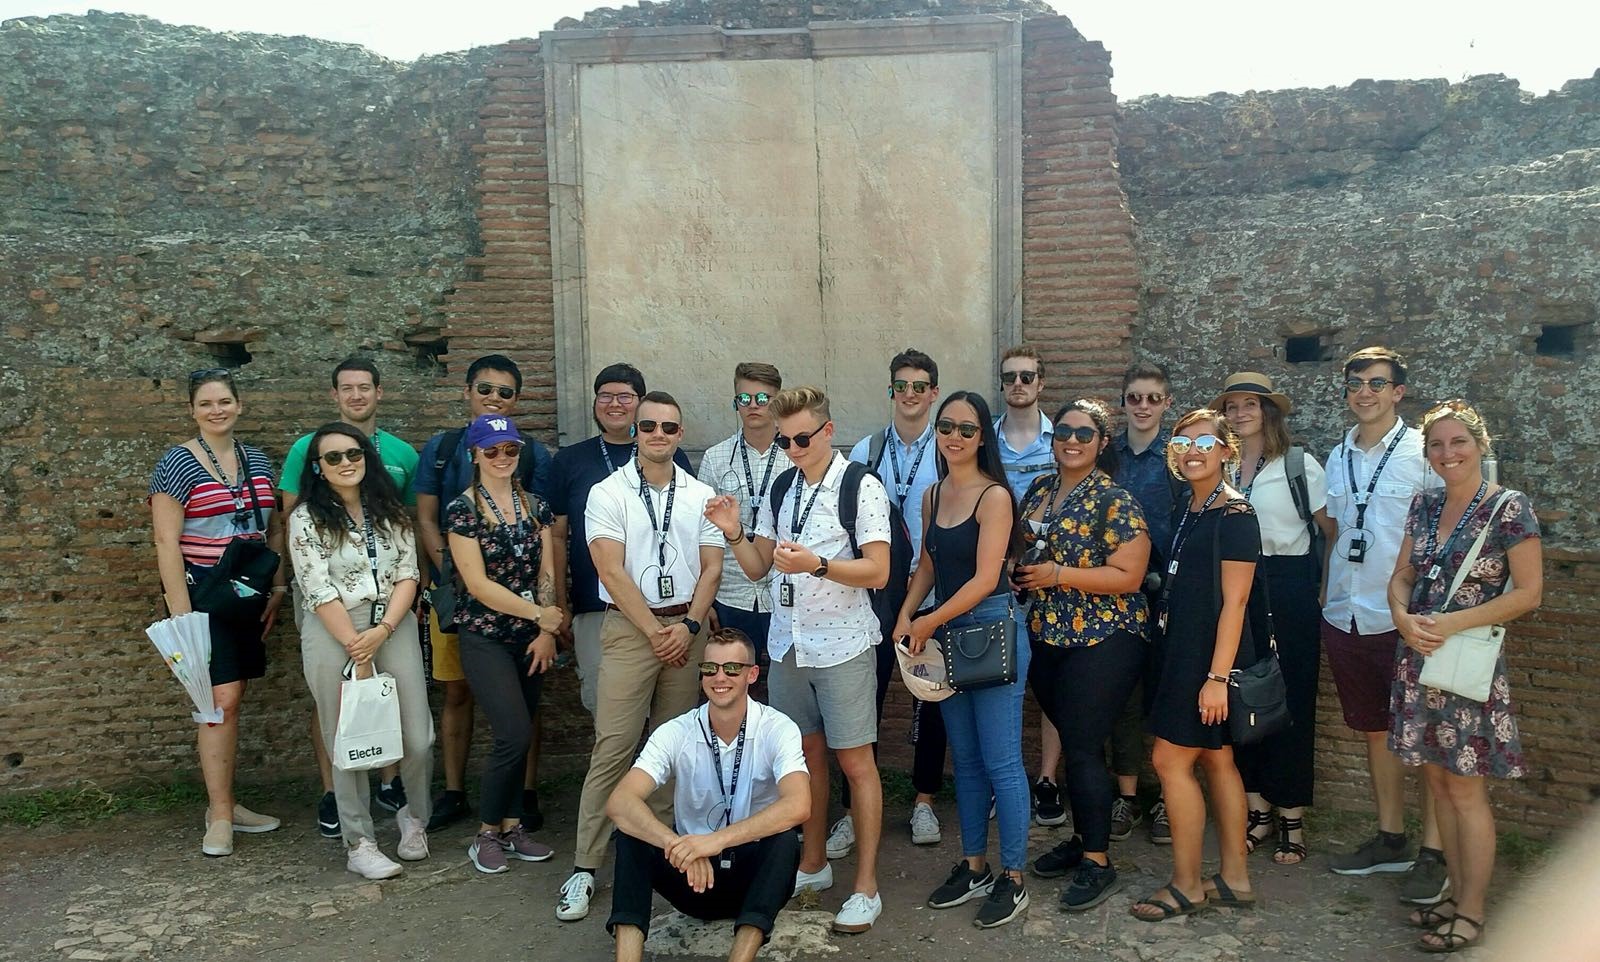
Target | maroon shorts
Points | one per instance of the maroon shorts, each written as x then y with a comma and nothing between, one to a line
1363,673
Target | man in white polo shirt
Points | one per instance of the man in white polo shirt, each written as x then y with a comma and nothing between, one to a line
659,562
740,787
824,674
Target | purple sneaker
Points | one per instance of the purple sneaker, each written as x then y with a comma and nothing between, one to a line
517,844
486,853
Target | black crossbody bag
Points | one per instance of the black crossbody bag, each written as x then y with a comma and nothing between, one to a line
1258,699
239,585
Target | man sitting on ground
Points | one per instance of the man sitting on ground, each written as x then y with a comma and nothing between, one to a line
741,787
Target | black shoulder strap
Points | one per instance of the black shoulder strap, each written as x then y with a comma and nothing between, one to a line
447,448
780,487
849,500
875,450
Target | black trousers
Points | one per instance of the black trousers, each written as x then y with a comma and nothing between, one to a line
1082,691
1282,767
927,732
509,698
750,892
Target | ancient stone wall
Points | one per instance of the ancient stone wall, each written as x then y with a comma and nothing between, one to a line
1459,223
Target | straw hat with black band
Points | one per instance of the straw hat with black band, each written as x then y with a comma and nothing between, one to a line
1252,382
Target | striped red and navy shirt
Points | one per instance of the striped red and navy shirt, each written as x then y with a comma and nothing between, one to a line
210,517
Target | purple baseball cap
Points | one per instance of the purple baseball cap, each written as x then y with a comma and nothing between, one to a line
487,430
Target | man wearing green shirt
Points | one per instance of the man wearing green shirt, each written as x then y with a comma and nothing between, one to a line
356,392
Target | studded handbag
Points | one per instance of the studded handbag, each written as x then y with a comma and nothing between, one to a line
982,656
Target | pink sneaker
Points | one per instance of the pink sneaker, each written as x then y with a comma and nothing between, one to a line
517,844
486,854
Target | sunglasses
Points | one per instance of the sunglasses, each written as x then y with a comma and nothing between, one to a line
668,428
1133,398
1011,377
332,458
900,387
1082,435
744,399
1205,443
625,398
1353,385
210,372
947,427
800,440
505,449
733,669
484,389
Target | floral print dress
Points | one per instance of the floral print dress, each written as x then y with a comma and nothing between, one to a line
1442,728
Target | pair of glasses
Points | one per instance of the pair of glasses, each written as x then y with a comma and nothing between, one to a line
624,398
331,458
1082,435
1133,398
505,449
1353,385
800,440
901,387
1205,443
484,389
209,373
744,399
668,428
1012,377
947,427
733,669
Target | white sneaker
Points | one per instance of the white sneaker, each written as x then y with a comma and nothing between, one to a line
815,881
924,825
413,836
576,892
368,862
858,913
842,838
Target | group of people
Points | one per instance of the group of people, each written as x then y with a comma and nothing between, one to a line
1137,569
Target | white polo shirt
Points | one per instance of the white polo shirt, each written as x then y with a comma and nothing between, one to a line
734,468
1361,591
1283,532
681,749
616,511
830,623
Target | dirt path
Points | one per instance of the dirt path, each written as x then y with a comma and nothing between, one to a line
135,887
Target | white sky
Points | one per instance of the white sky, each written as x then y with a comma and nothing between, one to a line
1180,48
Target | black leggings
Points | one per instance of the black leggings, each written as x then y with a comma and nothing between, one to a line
927,733
1282,767
509,697
1082,691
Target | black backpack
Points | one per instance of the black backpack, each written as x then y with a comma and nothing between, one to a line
533,471
886,601
1294,466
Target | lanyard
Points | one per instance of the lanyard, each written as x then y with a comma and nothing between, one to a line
666,512
732,788
903,488
1372,482
756,497
1433,550
517,545
605,452
1063,503
236,486
372,542
1238,476
1182,534
797,518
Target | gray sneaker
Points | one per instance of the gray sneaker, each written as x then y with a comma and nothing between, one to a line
1428,880
1124,816
1160,828
1372,857
517,844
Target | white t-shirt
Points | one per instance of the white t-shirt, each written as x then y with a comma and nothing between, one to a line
830,623
616,511
1283,532
681,750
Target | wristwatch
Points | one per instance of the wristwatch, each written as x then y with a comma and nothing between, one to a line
692,625
822,568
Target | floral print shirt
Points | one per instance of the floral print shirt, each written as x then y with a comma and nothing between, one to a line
501,563
1069,617
333,566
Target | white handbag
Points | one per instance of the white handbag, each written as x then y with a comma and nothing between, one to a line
368,735
1465,663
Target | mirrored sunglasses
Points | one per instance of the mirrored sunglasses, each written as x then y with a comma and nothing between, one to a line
744,399
1205,443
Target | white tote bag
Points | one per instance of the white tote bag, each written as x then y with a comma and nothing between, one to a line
369,724
1465,663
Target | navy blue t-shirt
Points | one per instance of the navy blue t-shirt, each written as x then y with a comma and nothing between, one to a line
577,468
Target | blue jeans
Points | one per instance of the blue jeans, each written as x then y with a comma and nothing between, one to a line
985,732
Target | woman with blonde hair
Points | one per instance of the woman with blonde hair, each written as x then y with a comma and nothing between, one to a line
1471,558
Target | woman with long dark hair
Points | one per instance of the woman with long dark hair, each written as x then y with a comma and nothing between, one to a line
204,495
1090,551
500,543
969,534
355,557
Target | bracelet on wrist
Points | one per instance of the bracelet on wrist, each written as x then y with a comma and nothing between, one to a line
734,541
1213,676
279,589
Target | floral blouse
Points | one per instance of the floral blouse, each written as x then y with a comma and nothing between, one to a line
334,567
1070,617
1514,524
501,563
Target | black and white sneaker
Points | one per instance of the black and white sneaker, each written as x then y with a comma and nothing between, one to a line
1091,884
328,816
391,797
1007,900
1047,809
963,885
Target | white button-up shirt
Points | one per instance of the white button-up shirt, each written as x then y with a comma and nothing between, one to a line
1361,591
830,623
1283,532
724,468
616,512
914,482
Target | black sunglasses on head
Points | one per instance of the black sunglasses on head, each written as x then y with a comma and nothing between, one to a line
667,427
948,427
802,440
209,373
484,389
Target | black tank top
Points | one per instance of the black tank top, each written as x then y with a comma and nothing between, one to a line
954,550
